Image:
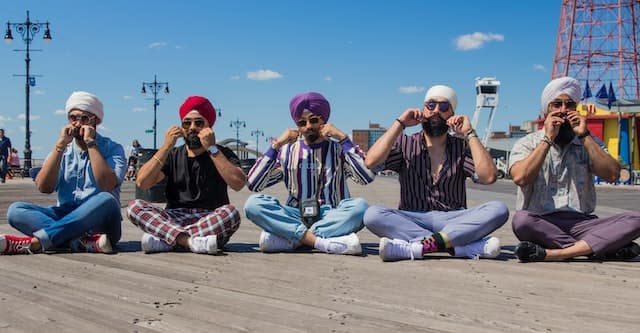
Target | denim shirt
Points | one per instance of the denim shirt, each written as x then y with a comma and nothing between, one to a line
76,182
565,181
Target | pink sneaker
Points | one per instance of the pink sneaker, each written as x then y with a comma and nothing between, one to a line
10,244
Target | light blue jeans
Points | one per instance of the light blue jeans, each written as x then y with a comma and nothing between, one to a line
57,225
284,221
462,226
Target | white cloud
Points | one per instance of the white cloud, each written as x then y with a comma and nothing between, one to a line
538,67
39,92
127,97
476,40
235,77
32,117
411,89
138,109
103,128
328,78
59,112
263,75
157,45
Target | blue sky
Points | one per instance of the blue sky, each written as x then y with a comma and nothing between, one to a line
371,59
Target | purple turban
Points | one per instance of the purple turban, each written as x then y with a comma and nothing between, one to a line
312,102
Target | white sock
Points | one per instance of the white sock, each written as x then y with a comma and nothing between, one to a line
321,244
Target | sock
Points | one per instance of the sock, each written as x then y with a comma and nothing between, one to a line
321,244
433,244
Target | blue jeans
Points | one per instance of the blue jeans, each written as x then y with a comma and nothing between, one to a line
462,226
57,225
284,221
3,166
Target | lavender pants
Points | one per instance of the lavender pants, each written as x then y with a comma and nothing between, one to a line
562,229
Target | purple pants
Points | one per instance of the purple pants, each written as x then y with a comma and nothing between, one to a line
562,229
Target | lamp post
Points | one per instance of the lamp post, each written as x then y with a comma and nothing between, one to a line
155,87
27,30
258,133
237,123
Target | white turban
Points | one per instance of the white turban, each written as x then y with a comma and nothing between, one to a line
563,85
84,101
443,91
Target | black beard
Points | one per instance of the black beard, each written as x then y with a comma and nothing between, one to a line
193,141
435,126
565,135
311,136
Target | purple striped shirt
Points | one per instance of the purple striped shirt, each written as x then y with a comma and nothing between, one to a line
409,157
298,165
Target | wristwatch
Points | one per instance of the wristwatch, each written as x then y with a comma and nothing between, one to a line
91,144
213,150
585,134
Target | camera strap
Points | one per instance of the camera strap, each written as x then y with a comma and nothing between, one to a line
319,187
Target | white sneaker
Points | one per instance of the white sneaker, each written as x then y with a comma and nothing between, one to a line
484,248
204,244
151,244
271,243
398,249
349,244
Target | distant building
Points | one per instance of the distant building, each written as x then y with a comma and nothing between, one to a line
365,138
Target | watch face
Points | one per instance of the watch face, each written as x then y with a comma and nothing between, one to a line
213,149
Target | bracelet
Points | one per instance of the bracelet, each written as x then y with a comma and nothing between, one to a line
59,149
157,160
547,140
401,123
91,144
471,134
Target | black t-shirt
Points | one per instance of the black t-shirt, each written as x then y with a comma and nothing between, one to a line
194,182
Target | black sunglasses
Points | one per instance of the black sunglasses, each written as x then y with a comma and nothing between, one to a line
568,104
311,120
187,123
442,106
82,118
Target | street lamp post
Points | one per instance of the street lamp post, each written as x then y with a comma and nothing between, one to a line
237,123
27,30
155,87
257,133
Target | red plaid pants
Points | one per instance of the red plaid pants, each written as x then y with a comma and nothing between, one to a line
167,224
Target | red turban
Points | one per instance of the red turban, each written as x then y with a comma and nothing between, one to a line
200,104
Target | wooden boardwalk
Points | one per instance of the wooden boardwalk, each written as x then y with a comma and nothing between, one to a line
245,290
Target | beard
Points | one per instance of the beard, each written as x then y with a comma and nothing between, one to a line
435,126
193,141
311,136
565,135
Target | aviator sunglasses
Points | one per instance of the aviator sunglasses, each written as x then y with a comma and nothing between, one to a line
187,123
568,104
442,106
82,118
311,120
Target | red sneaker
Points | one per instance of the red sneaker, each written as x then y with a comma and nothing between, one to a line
98,243
10,244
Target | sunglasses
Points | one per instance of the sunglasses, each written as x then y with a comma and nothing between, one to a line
442,106
568,104
311,120
82,118
187,123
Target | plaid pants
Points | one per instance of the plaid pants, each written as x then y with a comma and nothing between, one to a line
167,224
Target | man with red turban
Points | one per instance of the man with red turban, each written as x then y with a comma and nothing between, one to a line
198,215
314,160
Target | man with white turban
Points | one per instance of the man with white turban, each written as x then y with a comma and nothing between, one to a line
432,167
86,169
554,169
315,161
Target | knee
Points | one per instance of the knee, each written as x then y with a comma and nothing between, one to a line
373,217
356,205
500,210
14,214
255,204
521,224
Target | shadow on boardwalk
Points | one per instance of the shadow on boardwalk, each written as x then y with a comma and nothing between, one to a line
246,290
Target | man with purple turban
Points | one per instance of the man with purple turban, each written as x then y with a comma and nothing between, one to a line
315,161
198,216
433,165
554,169
86,169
